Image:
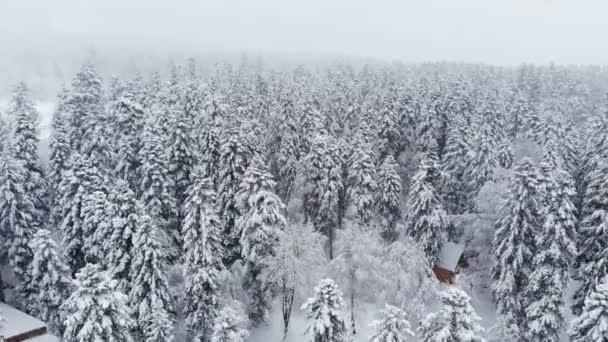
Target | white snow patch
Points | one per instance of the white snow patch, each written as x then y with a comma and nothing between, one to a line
17,322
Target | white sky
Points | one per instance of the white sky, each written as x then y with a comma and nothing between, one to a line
491,31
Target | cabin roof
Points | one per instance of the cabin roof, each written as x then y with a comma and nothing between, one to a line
449,255
17,322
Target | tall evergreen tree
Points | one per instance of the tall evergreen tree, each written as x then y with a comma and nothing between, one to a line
361,183
78,184
86,107
234,160
128,116
513,245
201,229
149,284
454,165
388,199
285,147
482,162
556,243
209,140
592,324
60,148
18,222
456,321
51,281
155,187
96,311
592,265
260,225
392,327
26,140
427,221
324,312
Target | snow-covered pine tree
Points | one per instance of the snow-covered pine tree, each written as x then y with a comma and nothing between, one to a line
60,148
26,140
513,245
482,162
389,132
388,199
97,214
86,99
454,165
230,325
182,147
592,265
96,311
201,229
592,324
392,327
117,242
209,140
78,184
18,222
259,226
361,183
127,115
159,327
324,312
155,182
297,261
284,146
456,320
234,160
51,281
556,245
427,221
149,283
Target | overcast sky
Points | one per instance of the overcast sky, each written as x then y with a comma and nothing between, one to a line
491,31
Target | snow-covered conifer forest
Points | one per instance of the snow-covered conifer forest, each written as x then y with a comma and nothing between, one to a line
244,202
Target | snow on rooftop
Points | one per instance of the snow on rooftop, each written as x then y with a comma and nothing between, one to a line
17,322
44,338
449,255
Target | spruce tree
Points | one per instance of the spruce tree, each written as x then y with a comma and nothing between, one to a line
18,222
201,229
513,245
454,165
155,183
86,99
285,147
427,221
60,148
233,161
26,140
96,311
388,199
361,183
592,266
117,241
128,120
482,162
392,327
149,284
550,274
324,312
230,326
78,184
592,324
209,140
51,281
456,320
259,226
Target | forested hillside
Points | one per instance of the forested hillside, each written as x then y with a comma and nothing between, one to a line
194,203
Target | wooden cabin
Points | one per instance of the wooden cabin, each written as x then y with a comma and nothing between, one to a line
17,326
448,260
